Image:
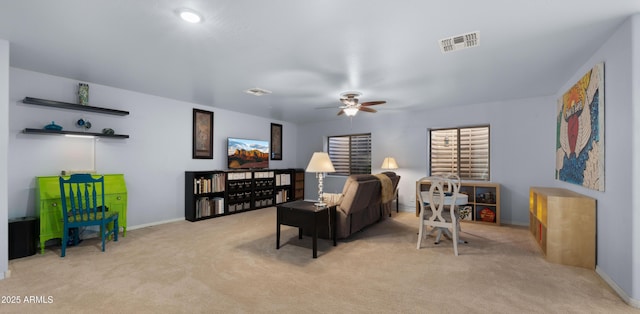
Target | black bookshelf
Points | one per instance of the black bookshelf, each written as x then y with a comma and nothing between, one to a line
244,190
204,195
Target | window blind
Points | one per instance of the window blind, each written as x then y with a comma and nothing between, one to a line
350,154
464,151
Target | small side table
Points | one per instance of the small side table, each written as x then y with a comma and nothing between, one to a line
306,216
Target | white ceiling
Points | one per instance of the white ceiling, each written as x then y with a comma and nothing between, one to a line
308,52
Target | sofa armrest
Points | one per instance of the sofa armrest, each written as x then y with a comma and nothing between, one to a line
332,198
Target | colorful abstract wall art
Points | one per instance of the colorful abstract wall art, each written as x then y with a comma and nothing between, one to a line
580,132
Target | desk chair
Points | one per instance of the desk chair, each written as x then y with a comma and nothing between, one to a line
83,205
442,192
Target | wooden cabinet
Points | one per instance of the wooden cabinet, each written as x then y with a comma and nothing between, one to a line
484,201
563,224
49,204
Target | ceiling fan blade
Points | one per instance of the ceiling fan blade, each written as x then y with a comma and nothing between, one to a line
340,112
372,103
367,109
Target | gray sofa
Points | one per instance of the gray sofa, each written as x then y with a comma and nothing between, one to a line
360,203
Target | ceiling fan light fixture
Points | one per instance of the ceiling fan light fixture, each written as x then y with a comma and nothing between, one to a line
350,94
351,111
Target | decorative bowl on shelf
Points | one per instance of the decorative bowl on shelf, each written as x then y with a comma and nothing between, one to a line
53,126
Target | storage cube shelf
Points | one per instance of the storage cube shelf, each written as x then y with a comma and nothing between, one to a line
210,194
563,224
484,201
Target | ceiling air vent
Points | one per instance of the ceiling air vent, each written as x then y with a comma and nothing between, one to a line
257,91
460,42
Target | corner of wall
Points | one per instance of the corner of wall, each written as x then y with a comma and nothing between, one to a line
635,166
4,163
621,293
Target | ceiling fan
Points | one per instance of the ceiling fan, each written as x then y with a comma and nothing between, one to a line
351,105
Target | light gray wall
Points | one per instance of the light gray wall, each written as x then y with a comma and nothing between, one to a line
615,242
4,147
153,159
635,167
519,129
523,153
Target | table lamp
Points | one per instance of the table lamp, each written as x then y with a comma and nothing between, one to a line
320,163
389,163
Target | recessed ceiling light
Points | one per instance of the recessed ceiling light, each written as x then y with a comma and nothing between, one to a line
189,16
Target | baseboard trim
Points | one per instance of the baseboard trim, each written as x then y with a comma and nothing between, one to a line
151,224
621,293
6,274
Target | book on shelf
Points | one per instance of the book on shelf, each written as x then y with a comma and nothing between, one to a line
212,184
283,179
282,196
206,207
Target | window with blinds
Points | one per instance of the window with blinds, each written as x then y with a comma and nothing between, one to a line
464,151
350,154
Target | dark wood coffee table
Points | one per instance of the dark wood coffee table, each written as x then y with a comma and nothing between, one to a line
306,216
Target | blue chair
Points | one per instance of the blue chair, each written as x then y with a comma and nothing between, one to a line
83,205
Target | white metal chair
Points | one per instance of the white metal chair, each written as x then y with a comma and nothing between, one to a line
442,193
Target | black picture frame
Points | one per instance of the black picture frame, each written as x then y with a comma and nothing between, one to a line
202,134
276,141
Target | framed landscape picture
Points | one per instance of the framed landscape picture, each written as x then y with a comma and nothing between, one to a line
276,141
202,134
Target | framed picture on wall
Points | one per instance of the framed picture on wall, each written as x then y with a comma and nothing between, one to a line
202,134
276,141
580,131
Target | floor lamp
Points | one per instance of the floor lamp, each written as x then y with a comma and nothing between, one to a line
320,163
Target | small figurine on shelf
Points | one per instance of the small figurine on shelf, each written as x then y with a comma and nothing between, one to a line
108,131
83,94
53,127
83,123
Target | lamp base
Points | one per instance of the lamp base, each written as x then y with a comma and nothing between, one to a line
320,204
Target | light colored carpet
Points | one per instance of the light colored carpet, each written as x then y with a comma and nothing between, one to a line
230,265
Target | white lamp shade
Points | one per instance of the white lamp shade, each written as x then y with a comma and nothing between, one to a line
320,162
389,163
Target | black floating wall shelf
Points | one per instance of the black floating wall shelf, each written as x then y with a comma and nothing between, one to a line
66,105
54,132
